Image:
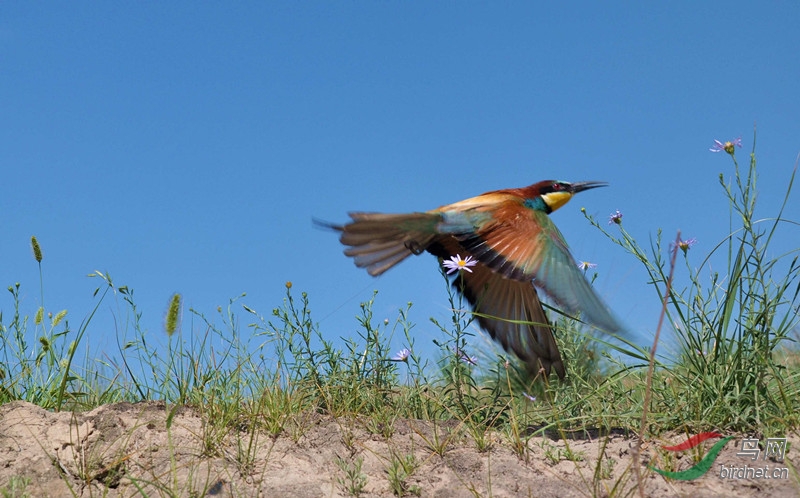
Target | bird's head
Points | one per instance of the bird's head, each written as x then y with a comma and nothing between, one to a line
550,195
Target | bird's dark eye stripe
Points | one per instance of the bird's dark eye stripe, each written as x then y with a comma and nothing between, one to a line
554,187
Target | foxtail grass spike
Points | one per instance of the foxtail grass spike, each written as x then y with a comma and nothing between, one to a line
37,250
59,316
173,314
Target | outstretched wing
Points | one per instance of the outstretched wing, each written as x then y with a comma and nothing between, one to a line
524,244
509,310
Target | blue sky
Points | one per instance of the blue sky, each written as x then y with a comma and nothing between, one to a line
186,146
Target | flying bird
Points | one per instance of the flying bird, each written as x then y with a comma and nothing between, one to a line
517,250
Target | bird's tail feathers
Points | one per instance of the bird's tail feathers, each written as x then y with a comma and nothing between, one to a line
379,241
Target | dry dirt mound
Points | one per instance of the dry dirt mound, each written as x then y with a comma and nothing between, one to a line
129,449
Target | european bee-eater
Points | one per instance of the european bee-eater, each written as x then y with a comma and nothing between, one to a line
517,249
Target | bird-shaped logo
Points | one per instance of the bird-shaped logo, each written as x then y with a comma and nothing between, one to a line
516,248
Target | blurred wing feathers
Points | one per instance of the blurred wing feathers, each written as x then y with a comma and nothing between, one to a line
512,314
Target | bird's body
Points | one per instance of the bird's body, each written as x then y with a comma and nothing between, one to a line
517,248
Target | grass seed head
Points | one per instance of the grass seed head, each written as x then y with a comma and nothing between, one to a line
173,314
37,249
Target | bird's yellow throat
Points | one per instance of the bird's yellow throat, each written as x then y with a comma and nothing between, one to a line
555,200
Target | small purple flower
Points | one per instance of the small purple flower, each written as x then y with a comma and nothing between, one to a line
455,263
402,355
530,398
728,147
683,245
616,217
585,265
469,360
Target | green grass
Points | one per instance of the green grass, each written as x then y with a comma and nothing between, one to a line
257,376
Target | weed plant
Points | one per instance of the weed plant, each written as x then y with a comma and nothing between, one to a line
733,328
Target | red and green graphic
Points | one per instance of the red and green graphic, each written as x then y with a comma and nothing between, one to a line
701,467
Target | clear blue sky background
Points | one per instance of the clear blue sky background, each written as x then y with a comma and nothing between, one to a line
186,146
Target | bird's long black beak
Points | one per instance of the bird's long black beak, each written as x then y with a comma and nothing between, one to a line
581,186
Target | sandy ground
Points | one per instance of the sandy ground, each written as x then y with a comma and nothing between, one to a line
127,449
